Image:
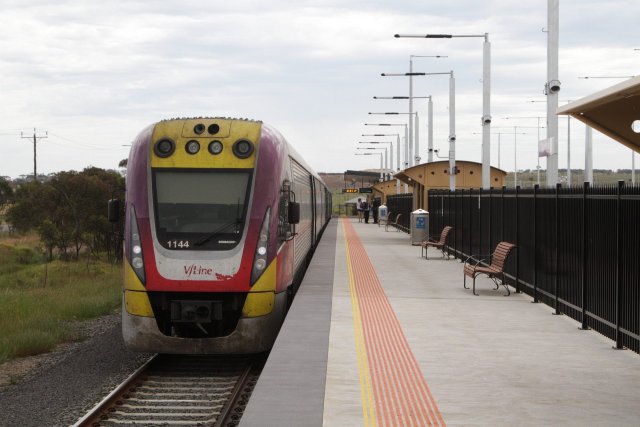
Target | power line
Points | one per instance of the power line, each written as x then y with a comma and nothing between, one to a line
35,142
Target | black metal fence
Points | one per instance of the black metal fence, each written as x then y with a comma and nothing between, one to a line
578,249
401,204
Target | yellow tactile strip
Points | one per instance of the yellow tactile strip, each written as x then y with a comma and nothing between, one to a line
393,389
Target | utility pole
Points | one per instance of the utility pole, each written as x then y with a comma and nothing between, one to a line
35,142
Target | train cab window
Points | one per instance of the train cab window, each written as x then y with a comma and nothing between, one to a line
200,210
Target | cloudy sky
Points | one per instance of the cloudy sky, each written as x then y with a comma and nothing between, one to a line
93,74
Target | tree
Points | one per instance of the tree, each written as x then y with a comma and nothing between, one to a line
6,192
49,236
32,204
73,204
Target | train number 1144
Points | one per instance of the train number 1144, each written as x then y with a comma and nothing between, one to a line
182,244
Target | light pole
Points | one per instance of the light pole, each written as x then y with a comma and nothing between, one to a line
499,135
389,165
406,136
386,154
451,102
429,126
486,97
515,147
397,135
538,127
406,188
551,89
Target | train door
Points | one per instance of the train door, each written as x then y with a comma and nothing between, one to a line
302,189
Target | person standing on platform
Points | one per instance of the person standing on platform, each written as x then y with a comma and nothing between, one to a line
359,209
365,210
374,207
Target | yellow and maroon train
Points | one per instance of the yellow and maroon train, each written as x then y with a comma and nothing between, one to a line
221,219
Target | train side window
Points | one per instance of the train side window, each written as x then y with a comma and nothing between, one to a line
286,229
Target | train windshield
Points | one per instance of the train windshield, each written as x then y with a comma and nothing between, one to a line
200,210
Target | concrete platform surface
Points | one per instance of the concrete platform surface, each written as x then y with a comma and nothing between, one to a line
488,360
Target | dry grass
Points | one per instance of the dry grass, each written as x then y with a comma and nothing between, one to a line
37,300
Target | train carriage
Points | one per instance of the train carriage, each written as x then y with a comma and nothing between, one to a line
221,219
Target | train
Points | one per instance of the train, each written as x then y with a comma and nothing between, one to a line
221,219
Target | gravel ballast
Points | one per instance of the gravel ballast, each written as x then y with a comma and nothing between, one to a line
60,387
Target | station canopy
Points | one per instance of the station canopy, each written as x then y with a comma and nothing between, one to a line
612,111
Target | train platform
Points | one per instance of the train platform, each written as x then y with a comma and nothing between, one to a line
379,336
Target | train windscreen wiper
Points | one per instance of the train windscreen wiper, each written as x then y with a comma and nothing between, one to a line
213,234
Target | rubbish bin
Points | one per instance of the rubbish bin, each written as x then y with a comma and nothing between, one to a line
383,211
419,226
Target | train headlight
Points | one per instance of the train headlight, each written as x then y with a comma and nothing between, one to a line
260,264
213,129
242,148
134,252
164,147
260,257
215,147
198,129
192,146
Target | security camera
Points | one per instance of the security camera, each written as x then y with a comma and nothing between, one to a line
486,120
452,138
553,86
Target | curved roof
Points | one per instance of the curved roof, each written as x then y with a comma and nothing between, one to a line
611,111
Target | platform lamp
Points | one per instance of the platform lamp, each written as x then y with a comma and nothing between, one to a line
397,135
451,100
406,136
429,126
406,187
515,134
538,127
486,96
410,98
373,154
388,151
386,154
499,135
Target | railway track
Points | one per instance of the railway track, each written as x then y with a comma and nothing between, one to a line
181,390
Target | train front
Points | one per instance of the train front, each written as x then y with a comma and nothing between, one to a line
203,269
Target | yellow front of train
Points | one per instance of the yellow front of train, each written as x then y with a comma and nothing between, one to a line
201,254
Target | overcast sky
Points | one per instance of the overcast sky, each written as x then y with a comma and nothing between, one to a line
93,74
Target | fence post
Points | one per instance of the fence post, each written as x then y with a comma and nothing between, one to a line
583,279
471,221
480,221
455,225
555,268
490,218
504,188
517,240
618,251
462,229
536,187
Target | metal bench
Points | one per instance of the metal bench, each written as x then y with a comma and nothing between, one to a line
439,244
384,219
395,223
495,270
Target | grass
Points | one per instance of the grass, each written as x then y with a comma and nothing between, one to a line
35,314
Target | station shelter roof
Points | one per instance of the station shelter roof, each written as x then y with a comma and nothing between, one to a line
611,111
436,174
